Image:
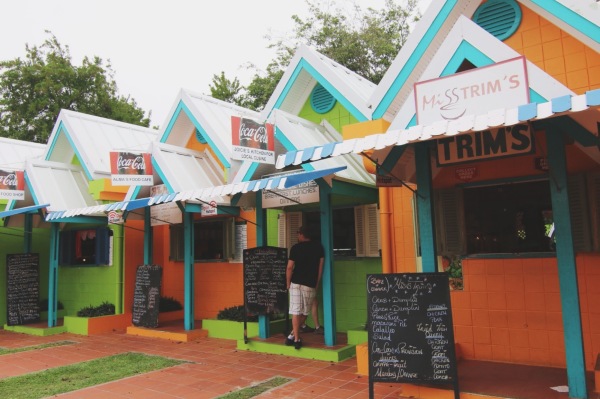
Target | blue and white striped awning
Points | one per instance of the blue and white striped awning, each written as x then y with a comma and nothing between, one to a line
25,209
468,123
200,195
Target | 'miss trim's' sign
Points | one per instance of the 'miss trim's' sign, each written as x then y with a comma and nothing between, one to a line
496,143
473,92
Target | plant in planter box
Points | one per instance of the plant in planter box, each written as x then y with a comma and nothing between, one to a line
104,309
169,304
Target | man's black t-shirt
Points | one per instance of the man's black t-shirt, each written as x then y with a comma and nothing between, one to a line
306,256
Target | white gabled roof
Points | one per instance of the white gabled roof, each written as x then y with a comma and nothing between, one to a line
61,185
182,169
306,69
302,134
465,30
92,138
14,153
212,119
447,23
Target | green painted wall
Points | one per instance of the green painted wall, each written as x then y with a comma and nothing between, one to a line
80,286
272,230
11,242
337,117
351,291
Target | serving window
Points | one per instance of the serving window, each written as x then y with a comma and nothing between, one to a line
86,247
214,240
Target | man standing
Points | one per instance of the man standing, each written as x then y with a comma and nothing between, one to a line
303,274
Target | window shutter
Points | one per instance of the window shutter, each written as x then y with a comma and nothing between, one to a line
103,249
294,223
176,242
580,227
281,230
66,247
359,231
229,247
594,196
373,241
449,221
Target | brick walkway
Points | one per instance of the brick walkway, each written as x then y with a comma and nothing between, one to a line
215,368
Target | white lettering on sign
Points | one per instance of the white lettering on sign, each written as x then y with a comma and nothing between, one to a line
505,141
473,92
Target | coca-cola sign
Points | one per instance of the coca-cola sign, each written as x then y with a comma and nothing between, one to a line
12,185
252,140
130,169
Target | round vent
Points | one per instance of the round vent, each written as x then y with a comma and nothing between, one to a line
501,18
321,100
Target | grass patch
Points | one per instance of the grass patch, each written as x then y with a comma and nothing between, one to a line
8,351
81,375
255,390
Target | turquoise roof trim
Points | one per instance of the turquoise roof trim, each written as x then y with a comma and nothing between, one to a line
572,18
31,191
162,176
303,64
181,107
414,58
62,130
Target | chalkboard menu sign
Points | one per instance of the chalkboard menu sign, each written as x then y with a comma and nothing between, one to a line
265,287
410,328
23,289
146,297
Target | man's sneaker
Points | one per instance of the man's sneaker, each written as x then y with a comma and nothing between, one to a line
289,341
298,344
306,329
319,330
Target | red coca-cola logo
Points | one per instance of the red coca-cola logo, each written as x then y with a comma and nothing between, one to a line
8,180
136,163
253,134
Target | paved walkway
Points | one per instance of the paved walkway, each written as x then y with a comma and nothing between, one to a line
215,368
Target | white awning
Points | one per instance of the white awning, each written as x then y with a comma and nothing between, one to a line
201,195
571,105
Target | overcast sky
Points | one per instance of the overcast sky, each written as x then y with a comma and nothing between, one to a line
157,47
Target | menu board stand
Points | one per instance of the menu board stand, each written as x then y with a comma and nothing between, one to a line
146,297
22,291
410,330
265,285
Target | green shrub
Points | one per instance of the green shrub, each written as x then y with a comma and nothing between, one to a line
44,305
169,304
104,309
236,313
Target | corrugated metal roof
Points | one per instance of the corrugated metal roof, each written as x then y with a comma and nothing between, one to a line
14,153
60,185
573,106
25,209
353,88
93,138
302,134
220,194
184,169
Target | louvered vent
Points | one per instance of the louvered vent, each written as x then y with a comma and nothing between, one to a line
321,100
501,18
200,137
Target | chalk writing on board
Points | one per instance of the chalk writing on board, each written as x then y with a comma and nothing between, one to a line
22,289
146,297
265,287
410,328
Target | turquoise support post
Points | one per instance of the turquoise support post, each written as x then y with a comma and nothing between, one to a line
28,233
148,237
567,271
53,274
264,325
329,320
425,207
188,273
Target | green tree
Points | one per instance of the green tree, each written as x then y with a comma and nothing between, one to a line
34,90
225,89
365,42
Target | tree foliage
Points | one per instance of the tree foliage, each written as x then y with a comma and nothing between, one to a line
34,90
364,41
